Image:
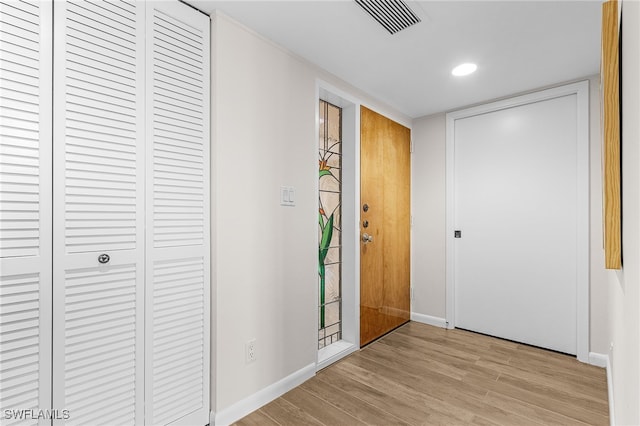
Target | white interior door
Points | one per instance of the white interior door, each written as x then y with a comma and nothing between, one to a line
519,204
177,211
25,208
99,141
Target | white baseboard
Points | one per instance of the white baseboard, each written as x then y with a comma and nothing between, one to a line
599,360
264,396
604,361
612,414
428,319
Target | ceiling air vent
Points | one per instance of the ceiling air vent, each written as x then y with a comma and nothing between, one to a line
393,15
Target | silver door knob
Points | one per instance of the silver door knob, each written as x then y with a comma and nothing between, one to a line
366,238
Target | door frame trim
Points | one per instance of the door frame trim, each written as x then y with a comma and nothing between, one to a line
581,90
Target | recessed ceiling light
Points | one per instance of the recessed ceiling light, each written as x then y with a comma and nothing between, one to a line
464,69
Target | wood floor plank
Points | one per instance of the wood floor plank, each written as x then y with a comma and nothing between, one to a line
439,353
590,407
419,360
556,382
422,393
463,340
526,392
419,380
257,418
556,364
490,412
393,403
542,415
367,413
441,345
317,408
423,375
287,414
480,421
397,380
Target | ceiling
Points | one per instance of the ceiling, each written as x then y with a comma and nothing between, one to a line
517,45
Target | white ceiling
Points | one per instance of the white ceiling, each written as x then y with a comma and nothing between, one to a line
518,46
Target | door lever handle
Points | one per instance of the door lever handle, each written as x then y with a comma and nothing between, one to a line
366,238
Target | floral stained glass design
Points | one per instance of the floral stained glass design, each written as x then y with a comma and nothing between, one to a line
330,225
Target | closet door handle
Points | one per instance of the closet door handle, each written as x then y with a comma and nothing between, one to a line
104,258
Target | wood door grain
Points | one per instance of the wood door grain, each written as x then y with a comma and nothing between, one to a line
385,174
611,135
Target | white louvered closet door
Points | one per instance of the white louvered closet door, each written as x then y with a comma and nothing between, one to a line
99,143
177,272
25,207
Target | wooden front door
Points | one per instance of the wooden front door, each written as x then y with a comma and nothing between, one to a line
385,176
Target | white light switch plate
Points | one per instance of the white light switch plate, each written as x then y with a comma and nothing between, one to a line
287,196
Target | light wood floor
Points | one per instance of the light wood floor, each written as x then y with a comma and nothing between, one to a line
422,375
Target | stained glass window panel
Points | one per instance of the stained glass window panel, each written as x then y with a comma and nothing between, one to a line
330,225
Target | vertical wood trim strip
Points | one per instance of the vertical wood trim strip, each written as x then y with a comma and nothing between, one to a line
611,135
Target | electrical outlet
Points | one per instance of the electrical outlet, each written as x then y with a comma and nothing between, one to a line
250,350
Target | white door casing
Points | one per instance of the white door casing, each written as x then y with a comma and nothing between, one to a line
25,208
517,188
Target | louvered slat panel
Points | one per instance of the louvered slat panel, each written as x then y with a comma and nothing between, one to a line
25,208
19,130
19,345
94,383
177,214
178,286
100,147
177,62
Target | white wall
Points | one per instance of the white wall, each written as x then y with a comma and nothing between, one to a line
428,199
599,294
429,222
262,140
264,271
624,285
